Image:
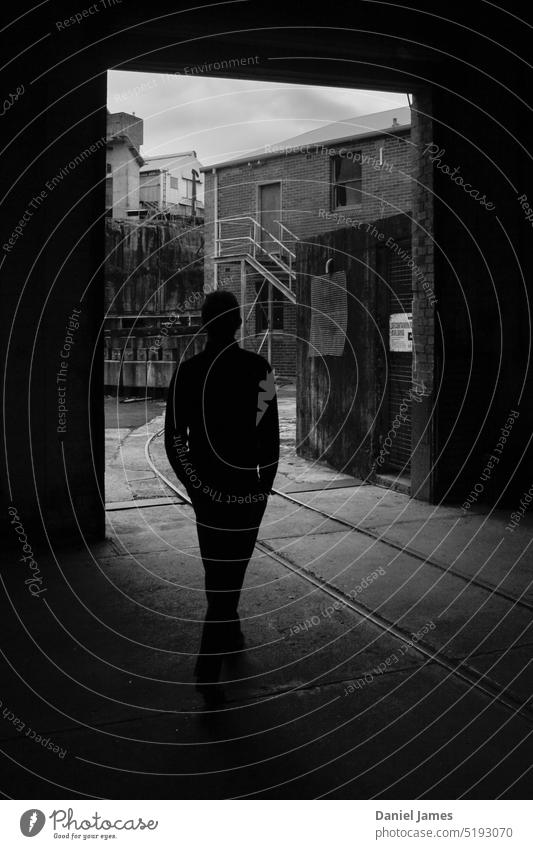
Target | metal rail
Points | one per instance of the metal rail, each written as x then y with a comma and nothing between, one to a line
253,237
461,670
478,582
448,570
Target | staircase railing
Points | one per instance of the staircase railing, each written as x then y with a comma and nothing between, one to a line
293,236
251,237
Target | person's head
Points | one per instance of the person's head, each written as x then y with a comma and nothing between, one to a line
221,315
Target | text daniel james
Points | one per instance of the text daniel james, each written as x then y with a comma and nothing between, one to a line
421,816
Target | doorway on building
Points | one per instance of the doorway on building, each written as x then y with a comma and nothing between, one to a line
269,215
162,261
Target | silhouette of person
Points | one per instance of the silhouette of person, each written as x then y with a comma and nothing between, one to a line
222,440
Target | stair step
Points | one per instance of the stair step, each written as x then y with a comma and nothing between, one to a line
274,268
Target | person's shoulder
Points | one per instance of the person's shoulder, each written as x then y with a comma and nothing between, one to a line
253,360
186,371
189,365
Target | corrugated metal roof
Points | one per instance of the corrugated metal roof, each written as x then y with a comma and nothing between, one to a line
348,128
165,162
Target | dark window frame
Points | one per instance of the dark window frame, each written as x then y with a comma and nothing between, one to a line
338,186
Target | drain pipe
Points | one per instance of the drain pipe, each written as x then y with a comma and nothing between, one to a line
215,225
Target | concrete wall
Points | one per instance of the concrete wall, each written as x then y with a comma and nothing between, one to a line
337,396
340,399
152,268
153,275
123,122
125,174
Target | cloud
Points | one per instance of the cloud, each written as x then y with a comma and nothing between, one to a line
221,118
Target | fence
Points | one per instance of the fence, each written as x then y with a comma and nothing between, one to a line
140,364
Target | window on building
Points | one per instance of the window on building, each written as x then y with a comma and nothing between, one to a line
109,167
188,187
261,312
347,179
174,183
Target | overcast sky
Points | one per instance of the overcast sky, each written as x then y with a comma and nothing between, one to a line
222,118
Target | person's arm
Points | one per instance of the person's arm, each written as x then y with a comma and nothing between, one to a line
176,426
267,431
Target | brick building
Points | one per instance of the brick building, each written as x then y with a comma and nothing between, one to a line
260,206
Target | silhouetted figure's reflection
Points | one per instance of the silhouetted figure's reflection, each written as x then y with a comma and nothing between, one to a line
222,440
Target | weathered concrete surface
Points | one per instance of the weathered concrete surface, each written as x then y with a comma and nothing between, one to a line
128,426
322,703
105,669
129,477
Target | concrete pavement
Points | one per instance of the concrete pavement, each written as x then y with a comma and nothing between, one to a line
323,702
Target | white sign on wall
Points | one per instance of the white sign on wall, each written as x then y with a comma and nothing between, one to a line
401,331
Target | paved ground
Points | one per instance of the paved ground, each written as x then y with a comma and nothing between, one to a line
129,477
324,702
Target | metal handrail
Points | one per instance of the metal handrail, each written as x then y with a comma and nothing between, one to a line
273,238
254,239
284,227
283,286
267,331
278,261
284,264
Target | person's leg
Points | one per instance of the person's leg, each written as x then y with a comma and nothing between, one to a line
226,552
223,583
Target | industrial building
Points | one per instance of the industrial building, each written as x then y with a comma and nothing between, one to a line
171,187
259,206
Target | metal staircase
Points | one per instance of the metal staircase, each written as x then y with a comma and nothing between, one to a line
243,238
